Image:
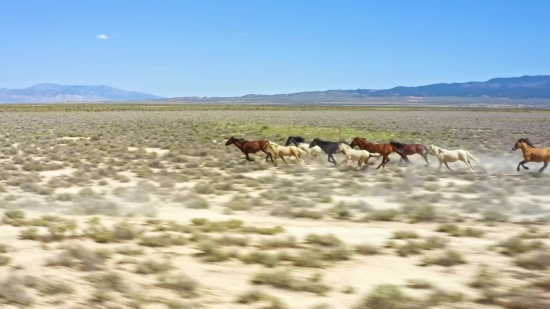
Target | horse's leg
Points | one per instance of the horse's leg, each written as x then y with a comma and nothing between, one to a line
383,161
299,159
268,155
387,161
425,158
470,165
330,156
447,165
247,157
525,167
521,164
283,158
543,167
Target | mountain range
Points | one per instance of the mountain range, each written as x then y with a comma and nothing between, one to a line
50,93
524,87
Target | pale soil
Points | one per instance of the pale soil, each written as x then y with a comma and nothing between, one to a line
222,282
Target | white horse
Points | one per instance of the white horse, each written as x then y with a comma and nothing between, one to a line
316,150
445,156
361,156
285,151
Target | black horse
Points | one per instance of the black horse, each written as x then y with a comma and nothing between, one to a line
328,147
295,139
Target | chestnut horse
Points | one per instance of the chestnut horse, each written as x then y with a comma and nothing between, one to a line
250,147
410,149
532,153
383,149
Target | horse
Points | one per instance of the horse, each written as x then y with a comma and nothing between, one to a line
532,153
248,147
296,140
300,143
328,147
410,149
445,156
311,151
282,151
383,149
361,156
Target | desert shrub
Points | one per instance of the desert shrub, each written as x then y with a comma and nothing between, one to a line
80,257
14,217
419,284
539,261
195,201
409,248
129,251
277,243
421,213
454,230
385,296
515,245
163,240
181,283
152,267
4,260
251,297
307,258
4,248
210,251
494,216
54,287
484,279
326,240
263,258
111,281
12,291
449,258
383,215
367,249
283,279
404,235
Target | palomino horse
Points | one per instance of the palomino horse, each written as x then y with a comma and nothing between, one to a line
410,149
445,156
249,147
300,143
285,151
383,149
361,156
328,147
532,153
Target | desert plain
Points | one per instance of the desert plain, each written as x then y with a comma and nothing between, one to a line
123,206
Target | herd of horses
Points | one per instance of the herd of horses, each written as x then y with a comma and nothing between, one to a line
296,146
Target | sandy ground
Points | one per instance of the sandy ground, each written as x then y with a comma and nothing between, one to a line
459,197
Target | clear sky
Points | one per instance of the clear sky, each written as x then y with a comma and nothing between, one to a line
226,48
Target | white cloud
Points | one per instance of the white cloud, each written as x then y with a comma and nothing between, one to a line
102,36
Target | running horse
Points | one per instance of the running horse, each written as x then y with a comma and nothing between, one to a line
383,149
296,140
411,149
330,148
248,147
532,153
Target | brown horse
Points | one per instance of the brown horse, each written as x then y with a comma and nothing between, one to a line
250,147
383,149
531,153
411,149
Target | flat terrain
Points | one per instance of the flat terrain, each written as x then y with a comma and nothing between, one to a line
145,207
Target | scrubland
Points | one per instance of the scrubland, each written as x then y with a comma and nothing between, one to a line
145,207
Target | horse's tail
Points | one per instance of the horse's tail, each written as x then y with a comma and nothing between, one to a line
401,154
470,156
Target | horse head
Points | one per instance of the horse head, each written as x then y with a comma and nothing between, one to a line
230,141
354,142
521,142
313,143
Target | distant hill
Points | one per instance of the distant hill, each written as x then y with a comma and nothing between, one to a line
49,93
524,87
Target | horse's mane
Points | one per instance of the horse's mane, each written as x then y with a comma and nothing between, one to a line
240,139
527,141
397,144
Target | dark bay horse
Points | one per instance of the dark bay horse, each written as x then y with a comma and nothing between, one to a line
532,153
329,148
411,149
295,139
384,149
250,147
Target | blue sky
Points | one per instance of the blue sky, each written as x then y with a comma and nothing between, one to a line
226,48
